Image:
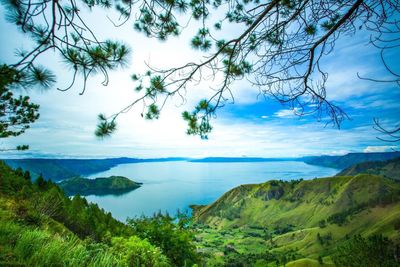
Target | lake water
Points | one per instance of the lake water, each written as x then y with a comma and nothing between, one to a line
168,186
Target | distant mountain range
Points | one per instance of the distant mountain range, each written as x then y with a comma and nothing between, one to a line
241,159
60,169
345,161
388,169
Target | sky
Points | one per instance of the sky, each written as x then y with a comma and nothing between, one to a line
253,126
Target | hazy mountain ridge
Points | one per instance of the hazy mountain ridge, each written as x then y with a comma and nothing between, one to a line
389,168
241,159
350,159
60,169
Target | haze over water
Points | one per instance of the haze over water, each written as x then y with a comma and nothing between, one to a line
169,186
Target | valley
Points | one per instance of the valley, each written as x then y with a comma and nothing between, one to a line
351,218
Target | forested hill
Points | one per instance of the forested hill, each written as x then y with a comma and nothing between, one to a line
60,169
345,161
41,226
301,203
285,221
388,168
99,186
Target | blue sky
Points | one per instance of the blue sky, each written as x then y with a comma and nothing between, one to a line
251,127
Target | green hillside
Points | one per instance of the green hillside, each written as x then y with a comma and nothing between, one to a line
287,221
41,226
342,221
275,202
389,169
98,186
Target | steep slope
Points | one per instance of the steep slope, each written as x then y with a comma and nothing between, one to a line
345,161
389,169
297,203
298,222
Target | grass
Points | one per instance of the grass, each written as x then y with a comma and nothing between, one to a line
36,247
245,220
50,245
303,204
308,263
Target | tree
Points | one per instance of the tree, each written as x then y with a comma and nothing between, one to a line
17,113
41,182
390,134
134,251
373,251
172,235
279,48
320,260
27,175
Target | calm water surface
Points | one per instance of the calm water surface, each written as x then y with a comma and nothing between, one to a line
168,186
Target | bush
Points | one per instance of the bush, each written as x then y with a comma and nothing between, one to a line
172,235
134,251
374,251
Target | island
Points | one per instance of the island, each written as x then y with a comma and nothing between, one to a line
100,186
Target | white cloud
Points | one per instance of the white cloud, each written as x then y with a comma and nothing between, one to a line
286,113
371,149
165,137
68,120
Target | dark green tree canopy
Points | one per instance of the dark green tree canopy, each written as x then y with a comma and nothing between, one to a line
17,113
375,250
278,48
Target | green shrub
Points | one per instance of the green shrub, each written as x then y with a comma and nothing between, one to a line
134,251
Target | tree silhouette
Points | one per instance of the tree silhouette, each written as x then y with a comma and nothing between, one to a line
391,135
17,113
278,48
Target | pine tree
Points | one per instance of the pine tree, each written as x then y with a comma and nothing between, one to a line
279,49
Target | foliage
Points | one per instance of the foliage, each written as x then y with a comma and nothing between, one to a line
297,222
105,127
137,252
388,168
49,223
335,199
279,48
173,235
25,246
203,113
373,251
44,199
98,186
17,113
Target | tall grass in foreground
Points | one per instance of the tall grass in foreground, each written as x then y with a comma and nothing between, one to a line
35,247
